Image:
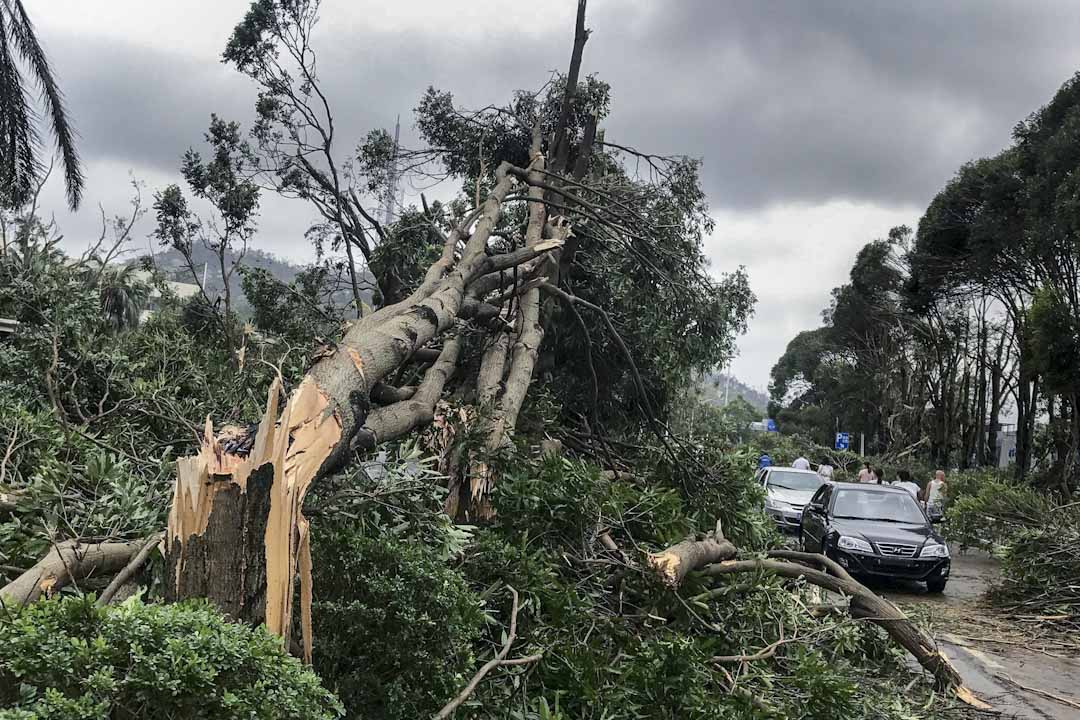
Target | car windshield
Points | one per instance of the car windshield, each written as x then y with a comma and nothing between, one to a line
795,480
883,506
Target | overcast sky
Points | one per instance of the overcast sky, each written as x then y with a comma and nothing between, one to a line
821,124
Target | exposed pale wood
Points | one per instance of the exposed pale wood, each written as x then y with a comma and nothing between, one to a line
678,561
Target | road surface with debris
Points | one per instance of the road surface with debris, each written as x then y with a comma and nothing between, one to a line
1018,664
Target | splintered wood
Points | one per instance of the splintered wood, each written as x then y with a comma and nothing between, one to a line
259,535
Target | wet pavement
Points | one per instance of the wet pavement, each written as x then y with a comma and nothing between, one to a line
1022,668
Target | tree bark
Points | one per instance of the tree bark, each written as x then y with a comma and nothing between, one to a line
236,531
69,562
678,561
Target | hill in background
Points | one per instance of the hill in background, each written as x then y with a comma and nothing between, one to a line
720,388
171,264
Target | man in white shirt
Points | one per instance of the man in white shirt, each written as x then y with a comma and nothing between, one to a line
801,463
904,480
935,492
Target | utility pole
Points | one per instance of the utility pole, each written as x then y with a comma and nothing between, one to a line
391,197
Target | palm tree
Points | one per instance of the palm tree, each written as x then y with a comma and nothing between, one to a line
20,141
123,297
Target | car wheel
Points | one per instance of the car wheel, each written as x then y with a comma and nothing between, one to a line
936,587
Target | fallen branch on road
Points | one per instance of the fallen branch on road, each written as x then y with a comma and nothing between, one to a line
675,563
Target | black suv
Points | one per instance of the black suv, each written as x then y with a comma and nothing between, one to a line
875,530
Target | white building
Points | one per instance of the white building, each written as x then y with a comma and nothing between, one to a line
181,290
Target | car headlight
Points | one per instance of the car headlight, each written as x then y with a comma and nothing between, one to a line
850,543
774,504
932,551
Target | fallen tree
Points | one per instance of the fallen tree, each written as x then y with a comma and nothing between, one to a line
236,520
714,556
566,267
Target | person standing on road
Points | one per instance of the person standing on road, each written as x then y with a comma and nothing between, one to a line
801,463
825,471
935,493
867,474
903,479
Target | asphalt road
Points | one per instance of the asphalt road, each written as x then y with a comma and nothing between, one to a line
1015,664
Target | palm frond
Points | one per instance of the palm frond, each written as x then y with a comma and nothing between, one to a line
19,168
24,40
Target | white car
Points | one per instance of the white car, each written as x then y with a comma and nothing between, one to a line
787,490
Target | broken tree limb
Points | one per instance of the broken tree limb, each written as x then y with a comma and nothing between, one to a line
678,561
499,659
67,562
136,564
675,563
864,604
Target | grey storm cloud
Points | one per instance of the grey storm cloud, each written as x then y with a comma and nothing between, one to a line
811,101
784,101
819,123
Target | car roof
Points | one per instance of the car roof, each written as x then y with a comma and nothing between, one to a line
868,487
791,469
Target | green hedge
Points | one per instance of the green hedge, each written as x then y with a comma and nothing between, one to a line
69,659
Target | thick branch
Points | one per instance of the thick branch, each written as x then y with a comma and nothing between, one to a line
865,605
675,563
67,562
678,561
397,419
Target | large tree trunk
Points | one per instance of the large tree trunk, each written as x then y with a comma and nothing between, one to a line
236,531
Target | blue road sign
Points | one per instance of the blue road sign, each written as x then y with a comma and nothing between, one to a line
843,441
770,425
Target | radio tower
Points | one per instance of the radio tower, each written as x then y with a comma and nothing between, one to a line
391,198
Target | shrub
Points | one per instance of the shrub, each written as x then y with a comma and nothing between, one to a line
1035,539
69,659
394,626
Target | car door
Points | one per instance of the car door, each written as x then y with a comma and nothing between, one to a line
813,519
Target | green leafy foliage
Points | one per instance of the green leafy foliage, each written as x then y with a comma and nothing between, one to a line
93,417
394,625
616,644
1035,538
69,659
